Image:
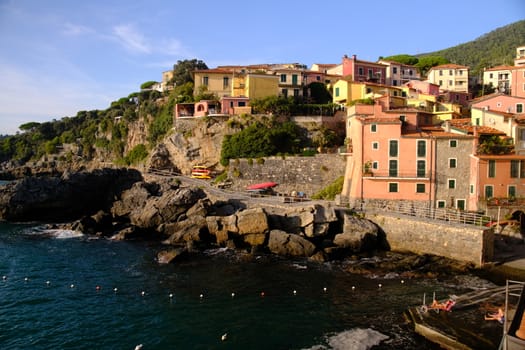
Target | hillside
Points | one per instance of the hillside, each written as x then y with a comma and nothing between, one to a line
497,47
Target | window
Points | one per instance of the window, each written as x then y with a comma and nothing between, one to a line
295,92
421,148
410,72
370,73
225,82
489,191
283,78
403,118
492,168
440,72
336,92
420,188
392,187
451,83
441,204
394,70
294,79
441,83
284,92
452,162
375,165
360,71
393,149
511,191
477,121
491,76
373,127
460,204
451,183
453,143
392,168
519,108
394,82
514,168
205,81
471,189
242,103
522,169
421,168
375,145
450,72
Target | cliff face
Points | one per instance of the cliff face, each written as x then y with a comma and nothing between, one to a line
191,142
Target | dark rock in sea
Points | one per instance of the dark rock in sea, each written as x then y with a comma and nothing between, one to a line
287,244
68,197
171,255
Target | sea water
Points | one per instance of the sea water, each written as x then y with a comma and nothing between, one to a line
64,290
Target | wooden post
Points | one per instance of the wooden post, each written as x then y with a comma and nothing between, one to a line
520,333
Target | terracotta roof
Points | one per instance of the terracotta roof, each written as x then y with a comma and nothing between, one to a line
327,65
501,68
503,114
449,66
214,70
465,125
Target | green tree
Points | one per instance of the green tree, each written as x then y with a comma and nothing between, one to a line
147,85
427,62
31,126
183,71
319,93
403,58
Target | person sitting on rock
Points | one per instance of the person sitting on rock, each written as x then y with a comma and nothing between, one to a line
447,306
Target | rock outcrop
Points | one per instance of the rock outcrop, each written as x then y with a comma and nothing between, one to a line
119,204
65,197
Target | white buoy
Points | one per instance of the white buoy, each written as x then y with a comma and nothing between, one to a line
72,286
143,293
48,283
138,347
26,279
4,278
380,285
201,296
324,289
353,287
224,337
115,289
294,292
233,294
171,295
402,281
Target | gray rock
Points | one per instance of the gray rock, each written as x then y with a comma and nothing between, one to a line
287,244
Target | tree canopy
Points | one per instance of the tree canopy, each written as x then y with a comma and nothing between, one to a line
183,70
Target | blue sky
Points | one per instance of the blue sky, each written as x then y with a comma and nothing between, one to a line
58,57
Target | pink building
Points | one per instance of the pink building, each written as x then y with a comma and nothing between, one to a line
424,87
518,82
500,102
363,71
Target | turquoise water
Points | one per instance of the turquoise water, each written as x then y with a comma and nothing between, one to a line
58,292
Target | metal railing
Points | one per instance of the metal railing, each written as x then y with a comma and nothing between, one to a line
453,216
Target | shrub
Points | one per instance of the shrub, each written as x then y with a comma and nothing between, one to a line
330,191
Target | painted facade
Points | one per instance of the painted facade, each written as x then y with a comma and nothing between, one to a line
452,77
216,81
398,74
499,77
363,71
517,87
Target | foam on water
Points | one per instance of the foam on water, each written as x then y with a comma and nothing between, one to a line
56,233
353,339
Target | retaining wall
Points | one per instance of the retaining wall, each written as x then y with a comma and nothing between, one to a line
468,243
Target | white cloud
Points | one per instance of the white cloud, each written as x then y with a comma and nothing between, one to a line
131,39
76,29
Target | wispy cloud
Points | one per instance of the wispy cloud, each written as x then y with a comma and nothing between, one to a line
71,29
131,39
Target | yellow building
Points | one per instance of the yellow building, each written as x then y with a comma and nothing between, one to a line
346,91
451,77
216,81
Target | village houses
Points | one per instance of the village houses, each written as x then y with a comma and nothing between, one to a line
420,140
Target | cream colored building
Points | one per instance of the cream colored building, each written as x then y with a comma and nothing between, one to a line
499,77
450,77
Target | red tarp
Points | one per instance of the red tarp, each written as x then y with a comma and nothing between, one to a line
262,186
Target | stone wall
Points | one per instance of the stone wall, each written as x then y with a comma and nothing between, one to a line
460,242
304,174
